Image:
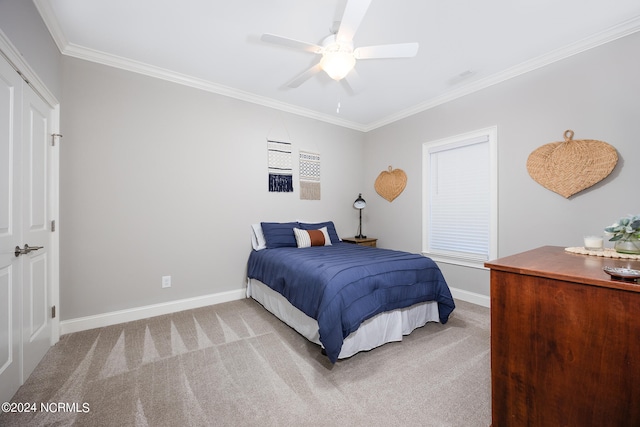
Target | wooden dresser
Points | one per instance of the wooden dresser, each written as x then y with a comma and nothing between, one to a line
565,341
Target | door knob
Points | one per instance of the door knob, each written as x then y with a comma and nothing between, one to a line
27,249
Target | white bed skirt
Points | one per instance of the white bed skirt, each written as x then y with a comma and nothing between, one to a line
380,329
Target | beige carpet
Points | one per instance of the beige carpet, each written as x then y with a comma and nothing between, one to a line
235,364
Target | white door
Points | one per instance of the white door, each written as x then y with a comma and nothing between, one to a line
10,231
25,279
36,301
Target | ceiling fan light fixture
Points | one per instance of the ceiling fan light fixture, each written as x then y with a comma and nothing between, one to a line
337,61
338,54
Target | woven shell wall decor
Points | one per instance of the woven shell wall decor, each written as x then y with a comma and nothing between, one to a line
570,166
391,183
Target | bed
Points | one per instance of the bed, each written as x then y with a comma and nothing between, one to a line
346,298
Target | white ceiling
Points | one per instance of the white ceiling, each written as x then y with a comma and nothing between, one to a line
465,45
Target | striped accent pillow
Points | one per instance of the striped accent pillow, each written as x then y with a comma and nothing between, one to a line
331,228
308,238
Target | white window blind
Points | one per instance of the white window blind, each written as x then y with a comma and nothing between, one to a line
459,208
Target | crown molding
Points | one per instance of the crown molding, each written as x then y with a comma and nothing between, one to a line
616,32
621,30
69,49
186,80
51,22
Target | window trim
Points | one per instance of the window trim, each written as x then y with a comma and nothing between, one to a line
453,141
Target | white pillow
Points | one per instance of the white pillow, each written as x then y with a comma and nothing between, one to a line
308,238
257,237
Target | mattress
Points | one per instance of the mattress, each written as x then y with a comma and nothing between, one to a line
342,285
384,327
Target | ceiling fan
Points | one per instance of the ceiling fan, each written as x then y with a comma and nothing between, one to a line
338,54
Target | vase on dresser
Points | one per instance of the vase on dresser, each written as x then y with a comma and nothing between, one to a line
628,246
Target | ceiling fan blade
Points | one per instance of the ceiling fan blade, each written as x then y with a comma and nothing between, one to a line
354,82
351,19
306,75
287,42
401,50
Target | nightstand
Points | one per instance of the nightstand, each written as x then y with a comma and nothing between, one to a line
367,241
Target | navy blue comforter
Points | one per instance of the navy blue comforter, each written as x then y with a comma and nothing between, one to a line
344,284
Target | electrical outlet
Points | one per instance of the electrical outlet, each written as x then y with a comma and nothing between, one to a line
166,281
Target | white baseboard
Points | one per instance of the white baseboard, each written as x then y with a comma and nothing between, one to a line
138,313
471,297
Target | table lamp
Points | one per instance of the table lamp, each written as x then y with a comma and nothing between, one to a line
360,204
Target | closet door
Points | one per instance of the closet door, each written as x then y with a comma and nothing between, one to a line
25,232
10,231
36,265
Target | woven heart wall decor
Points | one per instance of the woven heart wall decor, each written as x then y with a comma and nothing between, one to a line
391,183
570,166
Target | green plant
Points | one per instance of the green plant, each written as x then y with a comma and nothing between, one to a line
627,228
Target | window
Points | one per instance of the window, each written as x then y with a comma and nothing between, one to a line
460,208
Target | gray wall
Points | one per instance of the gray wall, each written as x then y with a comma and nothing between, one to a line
595,93
159,179
21,22
162,179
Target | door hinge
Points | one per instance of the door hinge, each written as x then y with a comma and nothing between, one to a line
53,312
53,225
53,138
